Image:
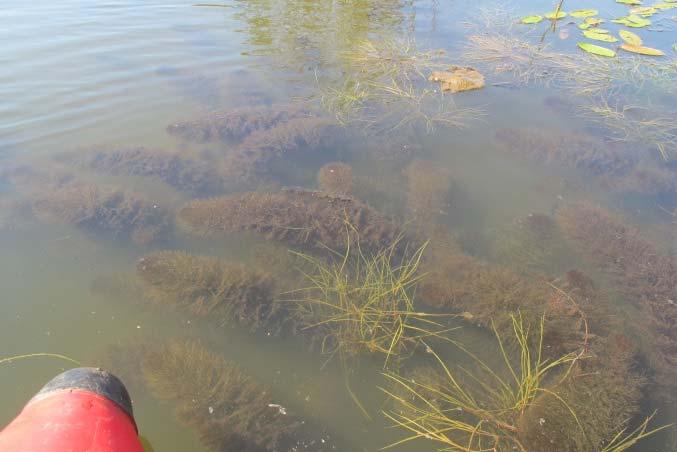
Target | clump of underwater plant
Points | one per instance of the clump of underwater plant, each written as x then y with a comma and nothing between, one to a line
237,124
490,295
479,410
301,218
530,403
209,287
253,157
336,177
428,191
640,272
364,303
182,173
102,209
228,409
385,88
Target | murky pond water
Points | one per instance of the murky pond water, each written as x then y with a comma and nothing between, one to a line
278,222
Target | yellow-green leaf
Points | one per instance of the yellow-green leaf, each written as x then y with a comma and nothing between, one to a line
584,13
593,21
597,36
642,50
556,15
596,50
644,11
664,6
584,26
633,20
674,47
630,2
630,38
531,19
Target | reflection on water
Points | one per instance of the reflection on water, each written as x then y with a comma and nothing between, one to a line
259,213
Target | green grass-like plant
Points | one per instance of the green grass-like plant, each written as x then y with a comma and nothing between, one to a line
478,410
361,303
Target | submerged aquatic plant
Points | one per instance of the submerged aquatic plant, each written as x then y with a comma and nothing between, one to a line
253,158
227,408
428,192
577,401
362,303
479,410
385,88
237,124
210,287
567,149
532,244
490,296
336,177
102,209
639,271
635,124
180,172
301,218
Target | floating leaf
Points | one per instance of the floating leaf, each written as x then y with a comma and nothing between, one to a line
598,36
596,50
633,20
584,13
644,11
594,21
531,19
630,2
642,50
556,15
630,38
664,6
583,26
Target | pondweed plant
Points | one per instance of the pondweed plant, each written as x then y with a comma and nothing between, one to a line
478,410
363,303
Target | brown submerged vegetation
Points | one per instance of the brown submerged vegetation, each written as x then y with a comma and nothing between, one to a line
489,295
533,244
209,287
336,177
570,150
253,158
646,180
428,194
298,217
237,124
182,173
604,391
229,410
102,209
640,272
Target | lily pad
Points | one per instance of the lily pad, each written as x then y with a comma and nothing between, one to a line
644,11
584,13
599,36
630,38
531,19
590,22
556,15
642,50
633,20
596,50
630,2
665,6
